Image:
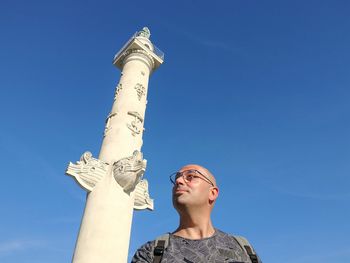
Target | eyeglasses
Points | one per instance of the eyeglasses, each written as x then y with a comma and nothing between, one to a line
188,176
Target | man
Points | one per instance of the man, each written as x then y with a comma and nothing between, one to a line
195,240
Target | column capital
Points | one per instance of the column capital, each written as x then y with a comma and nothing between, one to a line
138,54
139,44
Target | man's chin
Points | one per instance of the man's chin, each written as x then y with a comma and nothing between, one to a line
181,200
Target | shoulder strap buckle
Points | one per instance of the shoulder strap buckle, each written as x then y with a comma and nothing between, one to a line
244,243
159,249
161,244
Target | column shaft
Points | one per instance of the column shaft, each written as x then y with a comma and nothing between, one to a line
105,229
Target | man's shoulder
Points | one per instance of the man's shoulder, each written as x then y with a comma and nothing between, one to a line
243,244
236,238
144,253
224,235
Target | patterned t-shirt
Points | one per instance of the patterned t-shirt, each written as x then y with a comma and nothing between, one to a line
219,248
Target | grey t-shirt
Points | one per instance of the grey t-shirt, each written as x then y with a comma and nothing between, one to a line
219,248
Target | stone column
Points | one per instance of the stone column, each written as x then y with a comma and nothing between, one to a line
114,180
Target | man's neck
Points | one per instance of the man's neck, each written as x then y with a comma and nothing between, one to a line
196,227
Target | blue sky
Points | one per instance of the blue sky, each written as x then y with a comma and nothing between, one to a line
257,91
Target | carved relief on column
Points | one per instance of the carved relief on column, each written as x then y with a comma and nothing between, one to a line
140,90
117,90
88,171
128,171
136,125
108,123
142,199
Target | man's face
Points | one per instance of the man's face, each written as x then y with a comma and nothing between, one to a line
192,193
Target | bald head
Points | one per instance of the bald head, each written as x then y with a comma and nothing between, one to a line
201,169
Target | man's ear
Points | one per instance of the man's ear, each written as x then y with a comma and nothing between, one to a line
213,194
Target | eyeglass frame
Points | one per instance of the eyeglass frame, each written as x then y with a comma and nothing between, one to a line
205,178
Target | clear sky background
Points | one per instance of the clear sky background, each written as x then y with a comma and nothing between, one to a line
257,91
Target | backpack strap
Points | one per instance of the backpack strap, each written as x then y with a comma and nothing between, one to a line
161,244
243,242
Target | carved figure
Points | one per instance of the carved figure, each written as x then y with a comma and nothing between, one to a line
144,33
142,199
118,88
136,124
88,171
128,171
140,90
108,123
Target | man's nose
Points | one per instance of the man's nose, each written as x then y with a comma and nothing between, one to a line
180,180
